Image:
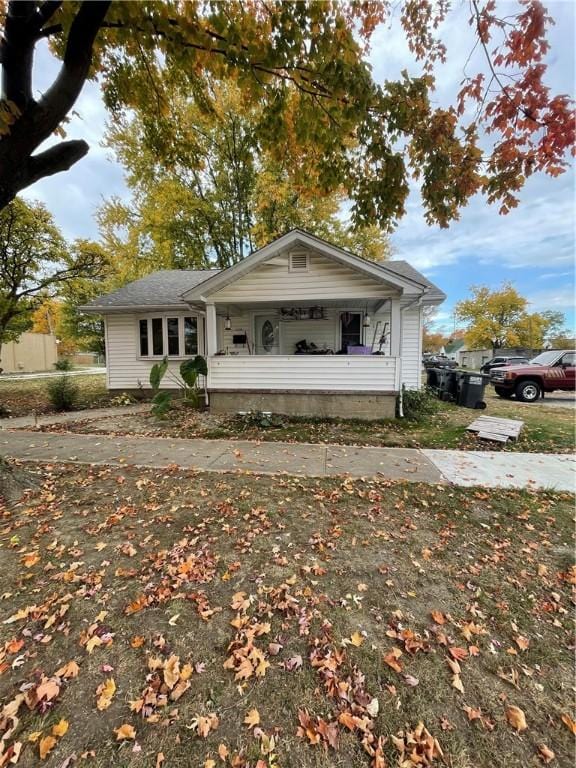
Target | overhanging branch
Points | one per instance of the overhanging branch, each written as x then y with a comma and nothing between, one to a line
60,157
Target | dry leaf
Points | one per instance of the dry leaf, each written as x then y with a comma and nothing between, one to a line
172,671
522,642
60,728
457,683
391,659
252,718
356,639
569,723
223,751
46,744
546,754
125,731
105,692
68,670
516,718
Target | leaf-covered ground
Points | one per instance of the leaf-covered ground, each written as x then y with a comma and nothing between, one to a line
547,428
180,619
25,396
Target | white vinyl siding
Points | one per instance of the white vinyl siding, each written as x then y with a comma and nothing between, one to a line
325,279
331,373
125,368
411,348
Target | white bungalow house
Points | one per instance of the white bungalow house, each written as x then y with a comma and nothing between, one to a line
298,327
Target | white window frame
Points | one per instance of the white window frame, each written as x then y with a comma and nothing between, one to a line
164,316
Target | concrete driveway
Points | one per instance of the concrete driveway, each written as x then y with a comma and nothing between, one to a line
554,400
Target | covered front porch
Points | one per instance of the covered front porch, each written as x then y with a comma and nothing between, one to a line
326,358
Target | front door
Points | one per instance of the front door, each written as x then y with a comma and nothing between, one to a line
267,336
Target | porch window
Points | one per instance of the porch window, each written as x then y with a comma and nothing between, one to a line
168,336
351,329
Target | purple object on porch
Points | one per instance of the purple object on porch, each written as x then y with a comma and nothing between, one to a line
358,350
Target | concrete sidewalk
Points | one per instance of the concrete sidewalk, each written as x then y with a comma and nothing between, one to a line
21,422
492,470
7,377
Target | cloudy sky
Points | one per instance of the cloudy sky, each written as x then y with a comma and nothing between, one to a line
533,246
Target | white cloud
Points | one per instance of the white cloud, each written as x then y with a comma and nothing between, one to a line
559,298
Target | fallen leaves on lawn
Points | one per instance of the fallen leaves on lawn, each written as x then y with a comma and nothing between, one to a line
516,718
252,718
104,693
204,724
125,732
569,723
46,745
417,746
545,753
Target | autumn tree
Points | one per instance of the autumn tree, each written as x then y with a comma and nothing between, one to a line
499,319
35,261
305,63
218,197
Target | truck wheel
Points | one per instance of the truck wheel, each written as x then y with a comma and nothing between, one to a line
528,391
502,392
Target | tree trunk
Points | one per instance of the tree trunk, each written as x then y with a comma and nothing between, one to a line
37,120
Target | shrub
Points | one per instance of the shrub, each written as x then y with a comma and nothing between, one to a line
124,398
63,365
63,393
418,403
261,419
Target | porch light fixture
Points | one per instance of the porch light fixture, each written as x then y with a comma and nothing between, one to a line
366,321
227,322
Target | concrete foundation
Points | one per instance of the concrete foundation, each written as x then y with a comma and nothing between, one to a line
342,405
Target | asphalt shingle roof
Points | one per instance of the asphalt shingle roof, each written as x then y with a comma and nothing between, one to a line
162,288
165,287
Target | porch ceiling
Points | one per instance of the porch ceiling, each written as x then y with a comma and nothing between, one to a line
365,304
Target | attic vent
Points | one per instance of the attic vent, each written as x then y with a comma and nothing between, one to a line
298,262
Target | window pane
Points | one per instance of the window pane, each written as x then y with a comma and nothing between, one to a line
157,345
351,329
173,341
144,337
190,335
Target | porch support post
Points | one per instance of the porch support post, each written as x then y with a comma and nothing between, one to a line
395,327
211,330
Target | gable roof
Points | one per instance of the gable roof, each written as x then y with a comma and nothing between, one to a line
177,288
454,346
162,289
397,273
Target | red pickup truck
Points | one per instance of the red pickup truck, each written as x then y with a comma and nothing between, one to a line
551,370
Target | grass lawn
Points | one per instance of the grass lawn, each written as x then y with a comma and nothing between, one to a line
235,620
26,396
547,428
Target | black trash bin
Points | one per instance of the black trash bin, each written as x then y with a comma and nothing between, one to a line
432,378
449,385
470,389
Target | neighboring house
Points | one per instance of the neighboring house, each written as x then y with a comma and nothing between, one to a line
268,327
474,359
455,349
32,352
